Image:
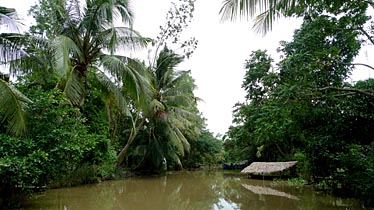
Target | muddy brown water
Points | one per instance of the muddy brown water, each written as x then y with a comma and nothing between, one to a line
187,190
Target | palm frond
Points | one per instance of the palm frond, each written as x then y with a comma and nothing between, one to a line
73,87
233,9
121,38
182,139
269,11
156,152
175,158
114,90
11,47
63,48
9,18
13,107
25,53
264,22
174,139
177,139
74,10
229,10
185,113
129,73
178,100
106,11
124,9
183,124
166,63
182,77
37,59
144,81
178,87
111,10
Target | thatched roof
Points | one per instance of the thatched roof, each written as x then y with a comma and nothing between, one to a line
268,191
267,168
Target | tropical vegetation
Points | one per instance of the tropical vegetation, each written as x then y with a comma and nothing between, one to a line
305,107
76,109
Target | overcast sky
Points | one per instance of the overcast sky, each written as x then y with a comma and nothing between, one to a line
217,64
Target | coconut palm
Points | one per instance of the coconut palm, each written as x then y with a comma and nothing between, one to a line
172,114
13,104
86,44
170,118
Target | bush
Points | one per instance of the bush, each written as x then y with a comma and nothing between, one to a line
303,166
205,150
356,177
58,151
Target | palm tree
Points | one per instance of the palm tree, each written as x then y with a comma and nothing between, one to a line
86,44
171,118
13,104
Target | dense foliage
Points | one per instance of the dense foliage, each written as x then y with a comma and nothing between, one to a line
79,110
59,149
303,108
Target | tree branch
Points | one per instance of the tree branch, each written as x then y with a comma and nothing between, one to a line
371,3
354,90
362,64
122,154
366,34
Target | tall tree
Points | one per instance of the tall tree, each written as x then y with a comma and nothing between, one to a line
174,116
171,117
166,84
306,110
268,11
85,40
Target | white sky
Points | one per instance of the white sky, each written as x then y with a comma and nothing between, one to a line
217,64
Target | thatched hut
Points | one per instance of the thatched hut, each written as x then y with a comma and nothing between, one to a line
267,168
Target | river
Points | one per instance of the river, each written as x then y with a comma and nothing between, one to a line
187,190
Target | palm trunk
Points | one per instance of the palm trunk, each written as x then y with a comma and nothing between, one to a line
122,154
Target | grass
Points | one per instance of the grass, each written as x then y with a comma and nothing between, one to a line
291,182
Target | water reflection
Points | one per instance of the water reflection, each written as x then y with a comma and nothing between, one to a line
184,191
268,191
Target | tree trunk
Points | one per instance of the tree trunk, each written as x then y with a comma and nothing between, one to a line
122,154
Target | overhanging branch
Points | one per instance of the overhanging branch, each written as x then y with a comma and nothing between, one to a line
362,64
353,90
366,34
371,3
